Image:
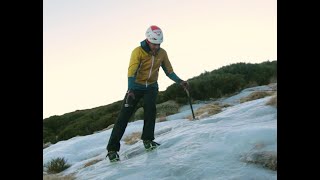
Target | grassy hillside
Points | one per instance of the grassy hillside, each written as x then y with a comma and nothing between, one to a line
218,83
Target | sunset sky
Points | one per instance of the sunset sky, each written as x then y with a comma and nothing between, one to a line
87,43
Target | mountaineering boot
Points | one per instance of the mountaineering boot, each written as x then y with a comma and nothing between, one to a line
113,156
150,145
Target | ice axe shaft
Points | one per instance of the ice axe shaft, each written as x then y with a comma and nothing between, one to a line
190,103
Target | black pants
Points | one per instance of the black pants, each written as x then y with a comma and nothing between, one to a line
149,105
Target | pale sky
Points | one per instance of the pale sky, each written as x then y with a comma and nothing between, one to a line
87,43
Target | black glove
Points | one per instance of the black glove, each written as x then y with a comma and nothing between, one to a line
185,85
130,97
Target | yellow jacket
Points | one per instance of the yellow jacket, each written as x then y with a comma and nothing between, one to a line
144,67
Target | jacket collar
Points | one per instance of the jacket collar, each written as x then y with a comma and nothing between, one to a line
146,47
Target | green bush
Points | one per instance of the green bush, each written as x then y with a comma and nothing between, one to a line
57,165
163,109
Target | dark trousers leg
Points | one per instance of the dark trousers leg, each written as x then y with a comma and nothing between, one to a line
149,114
121,123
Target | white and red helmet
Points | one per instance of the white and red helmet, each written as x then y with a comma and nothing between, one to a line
154,35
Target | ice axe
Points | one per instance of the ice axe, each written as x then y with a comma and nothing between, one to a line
190,103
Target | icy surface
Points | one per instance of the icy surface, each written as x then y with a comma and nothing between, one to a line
209,148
